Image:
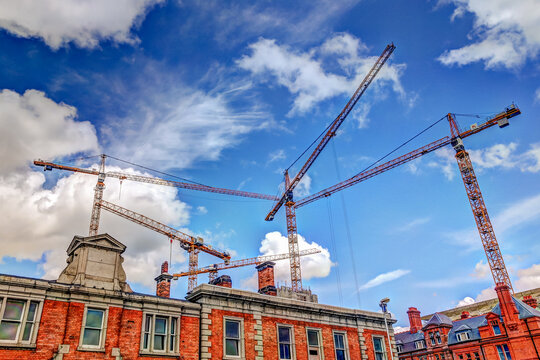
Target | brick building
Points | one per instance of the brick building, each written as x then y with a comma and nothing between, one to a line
509,331
90,312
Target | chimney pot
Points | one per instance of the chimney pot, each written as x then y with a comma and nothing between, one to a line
163,286
223,280
465,315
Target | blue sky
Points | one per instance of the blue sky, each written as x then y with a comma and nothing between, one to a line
228,94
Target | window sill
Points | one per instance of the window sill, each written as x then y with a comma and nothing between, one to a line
17,345
233,358
160,354
89,349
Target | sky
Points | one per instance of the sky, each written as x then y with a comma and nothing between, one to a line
230,93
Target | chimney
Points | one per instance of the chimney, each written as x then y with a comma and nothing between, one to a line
266,278
529,300
509,310
163,287
223,280
465,315
414,320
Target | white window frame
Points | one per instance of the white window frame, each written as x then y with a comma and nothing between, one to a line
419,344
463,336
373,337
291,332
504,351
31,342
241,348
345,343
151,333
399,348
319,339
103,334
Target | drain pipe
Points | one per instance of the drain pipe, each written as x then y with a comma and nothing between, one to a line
532,339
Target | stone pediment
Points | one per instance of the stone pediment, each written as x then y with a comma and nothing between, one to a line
95,261
103,241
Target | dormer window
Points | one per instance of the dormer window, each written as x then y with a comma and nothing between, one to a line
463,335
438,337
420,344
496,328
399,348
432,338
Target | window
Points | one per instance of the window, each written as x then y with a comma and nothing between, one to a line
462,336
314,344
460,357
94,328
18,321
378,347
233,338
420,344
469,357
399,348
436,357
438,337
285,342
340,344
504,352
160,334
476,356
496,328
432,338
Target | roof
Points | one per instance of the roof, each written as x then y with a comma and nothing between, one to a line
439,319
407,340
525,311
470,324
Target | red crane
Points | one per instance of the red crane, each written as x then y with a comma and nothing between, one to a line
212,270
485,229
193,245
287,196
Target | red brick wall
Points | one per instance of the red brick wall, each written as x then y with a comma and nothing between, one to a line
123,331
216,339
300,338
368,336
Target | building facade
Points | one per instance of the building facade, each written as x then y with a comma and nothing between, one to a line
90,312
509,331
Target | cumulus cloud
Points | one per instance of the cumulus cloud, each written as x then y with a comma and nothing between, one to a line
505,33
384,278
528,278
313,266
303,73
32,126
84,23
481,270
467,300
304,187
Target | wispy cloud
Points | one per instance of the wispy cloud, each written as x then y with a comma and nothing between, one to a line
384,278
277,155
413,224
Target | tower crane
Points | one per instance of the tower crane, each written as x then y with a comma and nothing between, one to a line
193,245
100,186
485,229
212,270
287,196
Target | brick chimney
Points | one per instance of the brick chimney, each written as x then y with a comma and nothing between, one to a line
266,278
414,320
163,286
509,310
529,300
465,314
223,280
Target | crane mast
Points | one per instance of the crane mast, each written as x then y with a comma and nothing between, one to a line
98,196
212,270
479,209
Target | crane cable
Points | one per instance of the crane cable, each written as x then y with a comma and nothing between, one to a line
348,231
334,251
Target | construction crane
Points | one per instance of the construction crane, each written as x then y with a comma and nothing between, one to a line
287,196
485,229
193,245
212,270
100,186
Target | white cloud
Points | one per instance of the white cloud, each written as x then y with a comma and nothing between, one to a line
466,301
313,266
175,128
276,155
413,224
506,33
528,278
400,329
537,95
384,278
303,74
201,210
84,23
34,126
445,161
481,270
304,187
